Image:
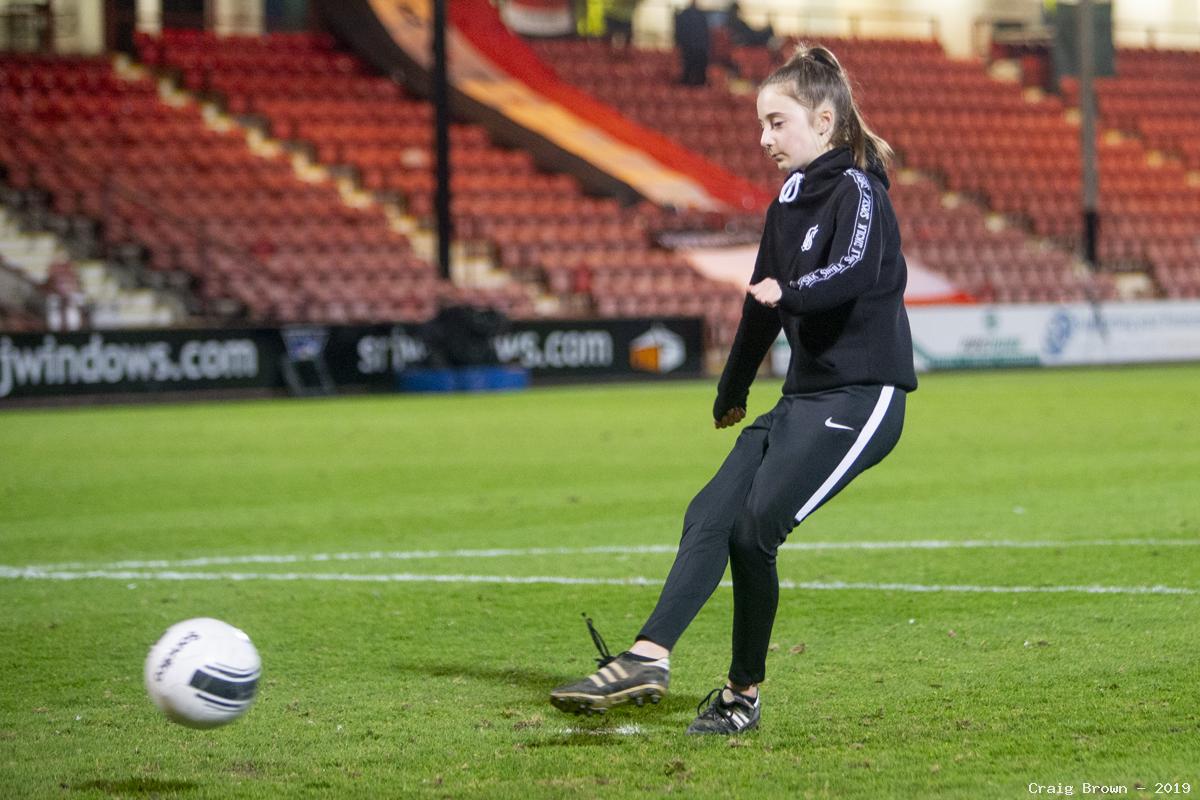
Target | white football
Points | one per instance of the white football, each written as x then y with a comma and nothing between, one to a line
203,673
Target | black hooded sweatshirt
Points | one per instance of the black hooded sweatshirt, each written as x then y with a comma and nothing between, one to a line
832,242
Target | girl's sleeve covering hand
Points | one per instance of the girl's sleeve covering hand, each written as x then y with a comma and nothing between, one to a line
755,334
857,250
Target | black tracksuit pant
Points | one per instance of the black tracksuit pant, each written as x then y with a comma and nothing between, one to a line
784,466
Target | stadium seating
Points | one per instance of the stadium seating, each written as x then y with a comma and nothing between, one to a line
247,232
540,226
1152,208
914,87
252,236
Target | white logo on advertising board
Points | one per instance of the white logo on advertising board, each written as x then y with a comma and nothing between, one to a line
98,362
657,350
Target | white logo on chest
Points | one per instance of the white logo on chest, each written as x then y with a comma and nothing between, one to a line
808,238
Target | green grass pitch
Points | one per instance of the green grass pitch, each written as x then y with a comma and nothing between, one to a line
981,665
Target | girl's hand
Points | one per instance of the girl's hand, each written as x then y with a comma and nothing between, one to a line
767,292
732,417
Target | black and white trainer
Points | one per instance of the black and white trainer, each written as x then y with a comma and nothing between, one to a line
727,714
623,679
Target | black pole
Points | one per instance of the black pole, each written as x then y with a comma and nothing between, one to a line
441,110
1087,130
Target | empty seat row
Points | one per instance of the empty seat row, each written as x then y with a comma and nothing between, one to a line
504,200
241,226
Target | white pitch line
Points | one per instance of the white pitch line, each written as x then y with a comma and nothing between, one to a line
413,555
917,587
620,730
33,573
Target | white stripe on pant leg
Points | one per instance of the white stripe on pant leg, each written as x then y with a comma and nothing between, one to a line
860,444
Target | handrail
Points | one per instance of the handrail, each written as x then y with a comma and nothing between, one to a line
1031,31
234,21
1154,35
856,22
18,292
27,24
111,186
1035,31
816,21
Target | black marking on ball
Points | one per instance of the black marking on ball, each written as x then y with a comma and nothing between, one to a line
225,689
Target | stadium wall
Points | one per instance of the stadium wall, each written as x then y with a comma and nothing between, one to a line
1074,334
957,25
370,357
1047,335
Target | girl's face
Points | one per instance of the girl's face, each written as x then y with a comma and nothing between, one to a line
792,134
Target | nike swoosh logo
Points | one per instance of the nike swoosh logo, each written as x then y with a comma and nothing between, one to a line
829,423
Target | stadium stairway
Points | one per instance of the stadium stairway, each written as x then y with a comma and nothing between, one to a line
592,254
20,321
77,292
22,302
945,228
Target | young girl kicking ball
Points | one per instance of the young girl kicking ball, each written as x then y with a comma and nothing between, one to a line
830,274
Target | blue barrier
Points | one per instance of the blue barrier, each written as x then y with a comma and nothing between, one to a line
463,379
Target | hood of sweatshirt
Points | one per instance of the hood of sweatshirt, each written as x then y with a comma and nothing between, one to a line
827,167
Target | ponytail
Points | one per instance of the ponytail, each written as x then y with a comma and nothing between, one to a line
812,76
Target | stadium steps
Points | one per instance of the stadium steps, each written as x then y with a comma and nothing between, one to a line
112,304
31,253
22,303
43,258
